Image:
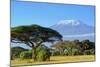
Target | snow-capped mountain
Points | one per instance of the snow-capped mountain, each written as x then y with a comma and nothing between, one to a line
68,22
74,29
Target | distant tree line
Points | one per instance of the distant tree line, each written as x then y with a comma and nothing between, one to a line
72,48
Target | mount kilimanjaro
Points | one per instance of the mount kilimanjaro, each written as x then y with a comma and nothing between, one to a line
74,29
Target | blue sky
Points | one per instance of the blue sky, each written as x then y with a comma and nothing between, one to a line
47,14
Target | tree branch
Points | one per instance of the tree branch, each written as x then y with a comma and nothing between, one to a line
28,44
32,44
21,42
39,44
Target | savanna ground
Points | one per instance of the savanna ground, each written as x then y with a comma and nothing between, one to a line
54,59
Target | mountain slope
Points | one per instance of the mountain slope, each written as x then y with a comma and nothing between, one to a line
74,29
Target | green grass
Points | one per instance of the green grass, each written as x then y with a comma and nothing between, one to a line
54,59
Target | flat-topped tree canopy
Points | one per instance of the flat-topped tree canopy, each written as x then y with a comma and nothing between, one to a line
34,33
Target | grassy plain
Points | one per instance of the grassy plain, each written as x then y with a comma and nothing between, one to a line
54,60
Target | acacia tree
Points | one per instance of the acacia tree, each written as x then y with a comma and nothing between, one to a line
34,36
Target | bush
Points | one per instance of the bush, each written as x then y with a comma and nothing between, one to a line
89,52
15,52
92,51
55,53
66,52
26,54
78,52
72,52
42,53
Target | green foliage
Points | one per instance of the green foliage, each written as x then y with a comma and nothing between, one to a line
15,52
26,54
34,33
43,53
78,52
89,52
76,47
55,53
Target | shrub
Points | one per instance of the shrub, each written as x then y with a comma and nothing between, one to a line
55,53
92,51
43,53
66,52
72,52
89,52
15,52
78,52
26,54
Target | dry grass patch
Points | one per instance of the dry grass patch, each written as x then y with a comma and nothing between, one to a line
55,59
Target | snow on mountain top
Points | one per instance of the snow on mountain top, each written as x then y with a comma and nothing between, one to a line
69,22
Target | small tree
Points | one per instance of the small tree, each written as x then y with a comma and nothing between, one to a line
33,36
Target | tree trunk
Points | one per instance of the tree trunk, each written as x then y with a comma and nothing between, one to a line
34,51
34,54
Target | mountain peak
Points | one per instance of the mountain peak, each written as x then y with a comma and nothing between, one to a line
69,22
